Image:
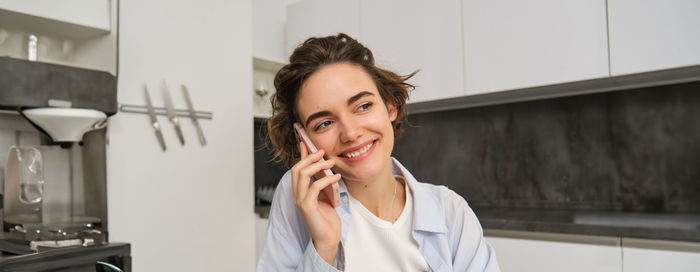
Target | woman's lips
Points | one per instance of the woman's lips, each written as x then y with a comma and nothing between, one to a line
359,153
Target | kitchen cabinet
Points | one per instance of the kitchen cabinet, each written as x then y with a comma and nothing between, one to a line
189,208
510,44
406,36
260,234
649,35
77,33
269,17
516,254
320,18
543,256
640,255
534,251
67,18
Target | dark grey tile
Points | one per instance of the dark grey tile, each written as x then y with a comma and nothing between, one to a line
634,150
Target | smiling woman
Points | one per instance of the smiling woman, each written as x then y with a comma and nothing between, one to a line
352,111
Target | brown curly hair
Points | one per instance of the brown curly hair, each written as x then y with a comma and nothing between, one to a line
308,58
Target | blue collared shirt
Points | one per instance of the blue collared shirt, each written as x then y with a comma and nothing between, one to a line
449,235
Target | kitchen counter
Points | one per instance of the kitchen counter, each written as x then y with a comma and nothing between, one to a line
679,227
659,226
75,258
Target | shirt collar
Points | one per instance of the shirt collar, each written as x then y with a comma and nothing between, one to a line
428,211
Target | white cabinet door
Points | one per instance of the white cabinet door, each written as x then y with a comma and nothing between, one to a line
67,18
410,35
648,35
685,257
512,44
544,256
260,235
320,18
269,17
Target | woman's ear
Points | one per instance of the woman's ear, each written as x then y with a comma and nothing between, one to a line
391,108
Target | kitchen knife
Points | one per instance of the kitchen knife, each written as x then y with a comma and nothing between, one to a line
171,113
193,115
154,120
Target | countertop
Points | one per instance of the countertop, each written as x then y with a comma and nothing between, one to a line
662,226
69,258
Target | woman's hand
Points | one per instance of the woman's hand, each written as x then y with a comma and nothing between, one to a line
320,216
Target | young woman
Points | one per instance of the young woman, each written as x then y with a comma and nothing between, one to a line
387,220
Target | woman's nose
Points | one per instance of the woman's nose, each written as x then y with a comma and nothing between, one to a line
351,131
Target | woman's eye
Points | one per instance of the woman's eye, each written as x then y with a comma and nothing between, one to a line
322,125
364,106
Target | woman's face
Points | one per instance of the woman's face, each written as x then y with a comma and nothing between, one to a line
343,113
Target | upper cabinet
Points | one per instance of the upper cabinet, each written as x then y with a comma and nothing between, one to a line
404,36
269,17
76,19
320,18
511,44
77,33
649,35
470,47
410,35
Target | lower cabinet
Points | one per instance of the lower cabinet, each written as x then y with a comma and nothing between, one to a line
649,255
539,253
260,233
552,252
544,256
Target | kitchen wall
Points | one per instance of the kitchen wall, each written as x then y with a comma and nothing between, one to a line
632,150
189,208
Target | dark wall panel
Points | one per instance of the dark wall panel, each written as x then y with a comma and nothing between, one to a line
633,150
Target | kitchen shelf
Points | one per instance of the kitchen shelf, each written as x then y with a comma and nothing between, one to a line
267,64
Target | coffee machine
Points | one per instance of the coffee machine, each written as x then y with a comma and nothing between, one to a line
52,194
53,153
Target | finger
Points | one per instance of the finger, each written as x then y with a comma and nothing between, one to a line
295,173
308,159
304,162
306,173
315,189
316,167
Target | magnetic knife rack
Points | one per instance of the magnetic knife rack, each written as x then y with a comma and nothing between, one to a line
171,112
163,111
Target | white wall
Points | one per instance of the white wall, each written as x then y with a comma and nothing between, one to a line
189,208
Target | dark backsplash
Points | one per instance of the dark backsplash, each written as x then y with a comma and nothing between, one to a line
633,150
267,172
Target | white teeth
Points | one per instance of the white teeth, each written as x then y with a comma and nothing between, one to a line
359,152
